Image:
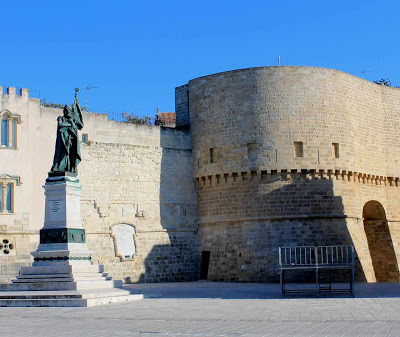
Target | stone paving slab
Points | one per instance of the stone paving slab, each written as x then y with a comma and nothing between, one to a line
217,309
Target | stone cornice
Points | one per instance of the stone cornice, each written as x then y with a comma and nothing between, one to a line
211,220
7,177
304,174
9,114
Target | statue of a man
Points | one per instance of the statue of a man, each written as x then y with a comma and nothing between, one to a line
67,154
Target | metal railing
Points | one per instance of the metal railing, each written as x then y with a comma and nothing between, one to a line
34,93
316,256
297,256
323,260
112,116
335,255
119,116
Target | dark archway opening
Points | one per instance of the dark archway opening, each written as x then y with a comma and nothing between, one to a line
205,263
380,242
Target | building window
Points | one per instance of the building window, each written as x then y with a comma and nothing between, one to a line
9,197
6,197
252,149
213,154
7,192
7,246
335,150
8,129
4,132
298,149
85,138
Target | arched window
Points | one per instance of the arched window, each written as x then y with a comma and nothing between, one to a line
7,188
124,240
8,129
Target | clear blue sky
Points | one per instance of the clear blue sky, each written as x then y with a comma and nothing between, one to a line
137,52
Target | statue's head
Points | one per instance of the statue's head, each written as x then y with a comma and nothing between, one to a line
67,111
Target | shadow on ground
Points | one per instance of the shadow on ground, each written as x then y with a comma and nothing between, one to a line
226,290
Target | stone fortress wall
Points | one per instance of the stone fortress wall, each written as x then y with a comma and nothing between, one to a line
261,158
290,156
139,176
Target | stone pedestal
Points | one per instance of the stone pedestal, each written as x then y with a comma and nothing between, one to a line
62,273
62,238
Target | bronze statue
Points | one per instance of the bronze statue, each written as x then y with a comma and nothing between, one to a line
67,154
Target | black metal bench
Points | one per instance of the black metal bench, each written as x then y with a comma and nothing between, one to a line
321,260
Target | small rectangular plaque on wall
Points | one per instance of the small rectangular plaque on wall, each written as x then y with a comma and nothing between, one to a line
55,205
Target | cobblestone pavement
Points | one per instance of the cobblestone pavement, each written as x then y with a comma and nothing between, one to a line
217,309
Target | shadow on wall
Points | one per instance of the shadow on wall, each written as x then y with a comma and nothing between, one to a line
295,212
173,257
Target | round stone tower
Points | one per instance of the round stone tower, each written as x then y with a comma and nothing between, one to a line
287,156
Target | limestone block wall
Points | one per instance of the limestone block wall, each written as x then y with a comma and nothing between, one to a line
273,107
137,175
182,106
19,256
15,161
18,227
290,156
243,222
161,256
279,155
149,186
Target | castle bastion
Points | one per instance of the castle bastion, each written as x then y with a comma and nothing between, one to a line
260,158
287,156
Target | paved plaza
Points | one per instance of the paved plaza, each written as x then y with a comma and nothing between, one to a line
217,309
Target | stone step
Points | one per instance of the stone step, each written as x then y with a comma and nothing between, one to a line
60,279
63,294
81,275
79,285
62,269
91,302
67,302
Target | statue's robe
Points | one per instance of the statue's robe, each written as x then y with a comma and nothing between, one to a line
67,154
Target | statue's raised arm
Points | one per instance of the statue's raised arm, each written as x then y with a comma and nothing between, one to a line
67,154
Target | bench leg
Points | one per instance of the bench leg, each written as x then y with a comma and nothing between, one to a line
352,282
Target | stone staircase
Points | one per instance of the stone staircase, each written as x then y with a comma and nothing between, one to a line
62,274
63,285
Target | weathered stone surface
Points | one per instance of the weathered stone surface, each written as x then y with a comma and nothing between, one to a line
137,175
290,156
151,189
280,156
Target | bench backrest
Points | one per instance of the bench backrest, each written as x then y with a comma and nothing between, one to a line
303,256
